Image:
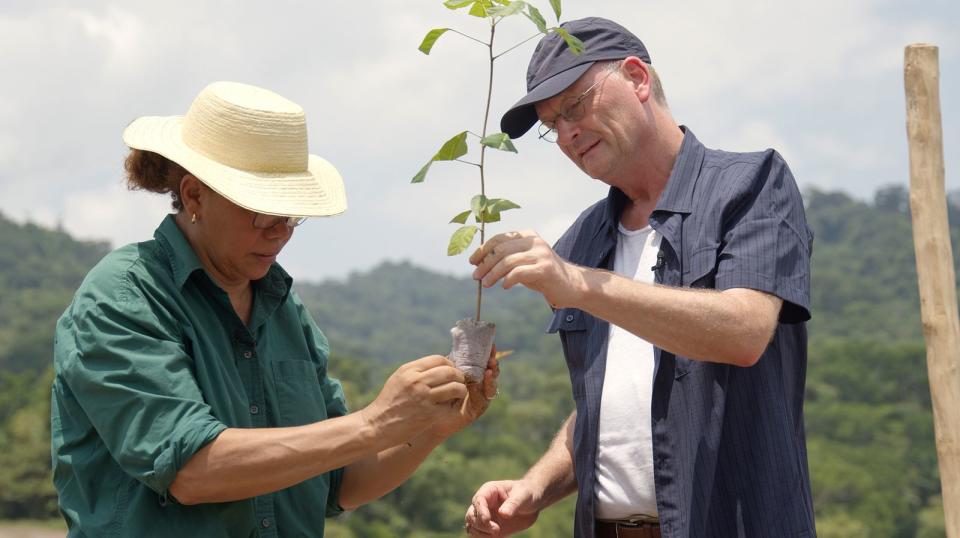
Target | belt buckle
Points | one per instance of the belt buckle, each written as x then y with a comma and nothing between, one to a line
632,524
639,521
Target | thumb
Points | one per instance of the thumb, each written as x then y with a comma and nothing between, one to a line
515,502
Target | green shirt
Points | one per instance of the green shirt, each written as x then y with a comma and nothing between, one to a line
152,363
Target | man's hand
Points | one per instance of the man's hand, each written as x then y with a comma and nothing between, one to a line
501,508
417,395
525,258
475,404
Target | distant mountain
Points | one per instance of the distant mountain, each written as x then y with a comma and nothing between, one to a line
39,271
868,418
864,270
397,311
864,285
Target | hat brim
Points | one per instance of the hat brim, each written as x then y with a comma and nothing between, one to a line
522,115
316,192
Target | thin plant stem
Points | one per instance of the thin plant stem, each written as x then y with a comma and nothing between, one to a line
483,152
469,37
517,45
467,162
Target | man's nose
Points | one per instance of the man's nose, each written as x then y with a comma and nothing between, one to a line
567,131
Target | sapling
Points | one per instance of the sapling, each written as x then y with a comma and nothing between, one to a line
473,338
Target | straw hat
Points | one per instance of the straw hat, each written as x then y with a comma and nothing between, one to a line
250,145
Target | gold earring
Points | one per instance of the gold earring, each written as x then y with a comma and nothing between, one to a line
193,219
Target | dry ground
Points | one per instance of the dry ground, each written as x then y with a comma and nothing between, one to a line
30,531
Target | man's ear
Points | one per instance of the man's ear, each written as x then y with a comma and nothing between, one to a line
638,72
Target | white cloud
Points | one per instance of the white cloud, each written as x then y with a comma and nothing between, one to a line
820,81
120,30
8,148
115,213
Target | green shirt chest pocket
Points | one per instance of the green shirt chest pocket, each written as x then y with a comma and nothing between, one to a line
299,395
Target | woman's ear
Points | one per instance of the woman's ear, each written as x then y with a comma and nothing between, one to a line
191,195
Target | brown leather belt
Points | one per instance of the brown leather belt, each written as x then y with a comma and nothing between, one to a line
610,529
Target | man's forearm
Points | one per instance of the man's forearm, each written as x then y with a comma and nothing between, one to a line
732,326
553,474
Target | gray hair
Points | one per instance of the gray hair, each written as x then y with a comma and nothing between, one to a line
655,85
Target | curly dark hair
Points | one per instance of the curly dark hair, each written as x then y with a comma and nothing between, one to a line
153,172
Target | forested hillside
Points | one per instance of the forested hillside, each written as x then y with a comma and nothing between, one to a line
868,417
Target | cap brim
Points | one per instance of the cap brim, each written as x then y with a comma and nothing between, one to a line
522,115
315,192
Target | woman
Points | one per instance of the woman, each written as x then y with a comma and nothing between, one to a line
191,395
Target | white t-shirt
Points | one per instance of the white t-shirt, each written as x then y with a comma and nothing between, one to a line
624,468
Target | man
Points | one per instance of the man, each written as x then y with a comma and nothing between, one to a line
680,301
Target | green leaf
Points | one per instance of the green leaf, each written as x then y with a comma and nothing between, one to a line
479,8
453,149
555,4
501,204
430,39
491,213
499,141
461,218
457,4
490,216
461,239
422,174
576,46
478,203
507,9
536,18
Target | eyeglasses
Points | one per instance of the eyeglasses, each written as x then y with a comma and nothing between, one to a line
265,222
570,111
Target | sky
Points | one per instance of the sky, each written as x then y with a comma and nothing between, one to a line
821,81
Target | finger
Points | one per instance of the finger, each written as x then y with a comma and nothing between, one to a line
490,244
503,250
508,508
482,512
448,393
441,375
524,274
489,384
498,247
476,525
428,362
507,264
517,498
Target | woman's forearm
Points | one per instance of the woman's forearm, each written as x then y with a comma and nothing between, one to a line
245,462
373,477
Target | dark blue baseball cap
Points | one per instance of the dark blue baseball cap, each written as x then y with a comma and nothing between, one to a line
553,67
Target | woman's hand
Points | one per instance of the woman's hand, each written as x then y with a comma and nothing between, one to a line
479,396
418,394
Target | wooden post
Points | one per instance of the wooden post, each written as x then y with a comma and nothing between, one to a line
931,239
